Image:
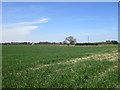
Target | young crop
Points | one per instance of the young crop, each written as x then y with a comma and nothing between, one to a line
46,66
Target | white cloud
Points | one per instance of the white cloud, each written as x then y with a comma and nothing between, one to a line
43,20
18,31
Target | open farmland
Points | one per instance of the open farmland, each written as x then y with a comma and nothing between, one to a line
54,66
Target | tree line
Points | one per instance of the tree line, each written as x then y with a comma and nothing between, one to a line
70,40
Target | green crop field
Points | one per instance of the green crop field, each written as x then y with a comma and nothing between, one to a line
55,66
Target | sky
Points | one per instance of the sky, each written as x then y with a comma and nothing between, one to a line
60,0
54,21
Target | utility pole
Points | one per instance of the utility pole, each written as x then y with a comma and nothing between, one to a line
88,39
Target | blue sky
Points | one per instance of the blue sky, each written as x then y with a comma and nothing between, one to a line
37,21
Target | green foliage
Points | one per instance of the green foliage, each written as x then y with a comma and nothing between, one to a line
114,42
86,44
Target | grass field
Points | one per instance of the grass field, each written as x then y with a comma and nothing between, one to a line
54,66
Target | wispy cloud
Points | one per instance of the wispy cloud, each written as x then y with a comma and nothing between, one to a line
43,20
16,31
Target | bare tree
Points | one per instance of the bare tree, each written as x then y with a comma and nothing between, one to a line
71,39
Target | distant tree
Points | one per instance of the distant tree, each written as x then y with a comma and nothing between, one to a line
70,39
114,42
65,42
